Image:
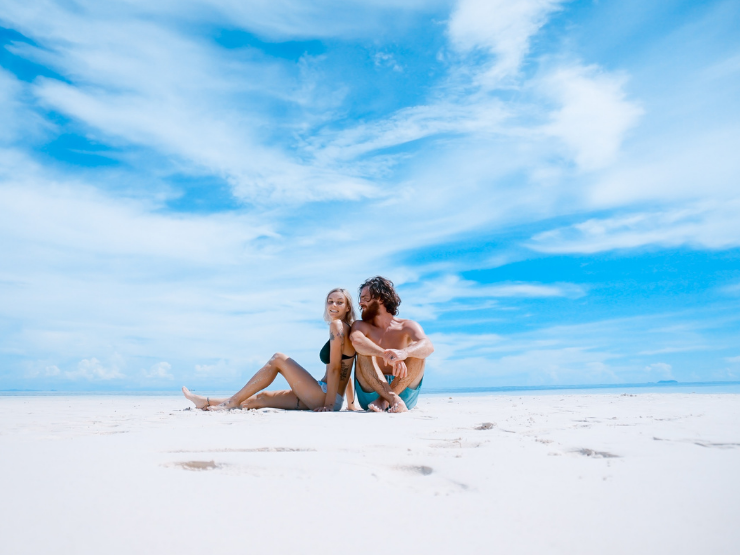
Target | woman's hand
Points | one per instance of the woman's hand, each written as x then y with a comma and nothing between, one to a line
324,409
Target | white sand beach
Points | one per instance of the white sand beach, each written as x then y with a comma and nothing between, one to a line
564,473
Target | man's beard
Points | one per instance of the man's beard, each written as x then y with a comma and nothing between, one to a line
370,311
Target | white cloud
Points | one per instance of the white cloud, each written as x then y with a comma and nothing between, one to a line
159,370
463,361
20,121
711,225
594,115
92,369
434,296
82,218
733,360
52,370
473,117
449,287
385,59
673,166
660,370
221,368
199,105
500,27
41,369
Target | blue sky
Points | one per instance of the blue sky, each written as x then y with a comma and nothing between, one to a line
554,187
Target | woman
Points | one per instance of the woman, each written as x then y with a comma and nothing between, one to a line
305,392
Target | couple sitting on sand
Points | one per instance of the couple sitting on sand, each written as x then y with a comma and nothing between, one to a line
390,355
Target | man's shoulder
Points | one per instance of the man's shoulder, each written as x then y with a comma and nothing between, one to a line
410,326
407,322
361,325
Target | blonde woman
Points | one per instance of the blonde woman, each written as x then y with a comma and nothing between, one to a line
305,392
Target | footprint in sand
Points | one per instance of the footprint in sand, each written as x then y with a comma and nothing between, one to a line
197,465
596,454
719,445
485,426
423,470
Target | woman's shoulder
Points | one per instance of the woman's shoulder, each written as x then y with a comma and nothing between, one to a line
337,327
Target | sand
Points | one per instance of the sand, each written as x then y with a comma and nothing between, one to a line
564,473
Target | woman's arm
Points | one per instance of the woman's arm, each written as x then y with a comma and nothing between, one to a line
333,369
350,393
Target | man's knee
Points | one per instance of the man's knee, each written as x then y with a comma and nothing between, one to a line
414,364
415,369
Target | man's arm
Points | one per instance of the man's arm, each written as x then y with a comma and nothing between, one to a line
362,343
420,347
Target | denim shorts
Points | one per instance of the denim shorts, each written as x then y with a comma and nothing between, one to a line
338,402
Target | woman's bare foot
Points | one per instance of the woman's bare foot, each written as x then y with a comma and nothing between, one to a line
199,401
226,405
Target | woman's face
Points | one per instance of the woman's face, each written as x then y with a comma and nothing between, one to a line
336,306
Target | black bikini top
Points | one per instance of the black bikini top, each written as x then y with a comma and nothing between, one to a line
325,354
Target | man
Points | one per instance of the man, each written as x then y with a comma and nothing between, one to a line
390,351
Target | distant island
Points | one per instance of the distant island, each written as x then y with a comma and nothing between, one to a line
667,381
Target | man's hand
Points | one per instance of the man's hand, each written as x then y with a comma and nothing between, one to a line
400,370
391,356
324,409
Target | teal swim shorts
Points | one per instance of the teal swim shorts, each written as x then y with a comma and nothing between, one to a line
408,395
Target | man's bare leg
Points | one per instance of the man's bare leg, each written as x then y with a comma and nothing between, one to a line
415,372
371,378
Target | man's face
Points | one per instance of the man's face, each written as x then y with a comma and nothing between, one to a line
368,305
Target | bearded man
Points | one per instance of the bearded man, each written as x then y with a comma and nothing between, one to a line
390,351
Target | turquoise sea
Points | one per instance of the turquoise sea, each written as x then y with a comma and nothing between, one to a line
635,388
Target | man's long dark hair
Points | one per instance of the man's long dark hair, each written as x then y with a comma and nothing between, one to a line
382,289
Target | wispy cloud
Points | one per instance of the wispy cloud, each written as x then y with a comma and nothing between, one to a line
499,28
92,369
159,370
713,226
593,116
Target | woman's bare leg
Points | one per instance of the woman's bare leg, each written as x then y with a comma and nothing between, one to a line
302,384
276,400
201,401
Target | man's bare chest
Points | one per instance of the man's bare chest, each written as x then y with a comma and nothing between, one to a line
389,339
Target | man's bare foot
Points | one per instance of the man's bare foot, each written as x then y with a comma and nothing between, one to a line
199,401
379,405
398,406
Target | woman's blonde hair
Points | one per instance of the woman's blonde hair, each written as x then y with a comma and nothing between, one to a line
349,318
